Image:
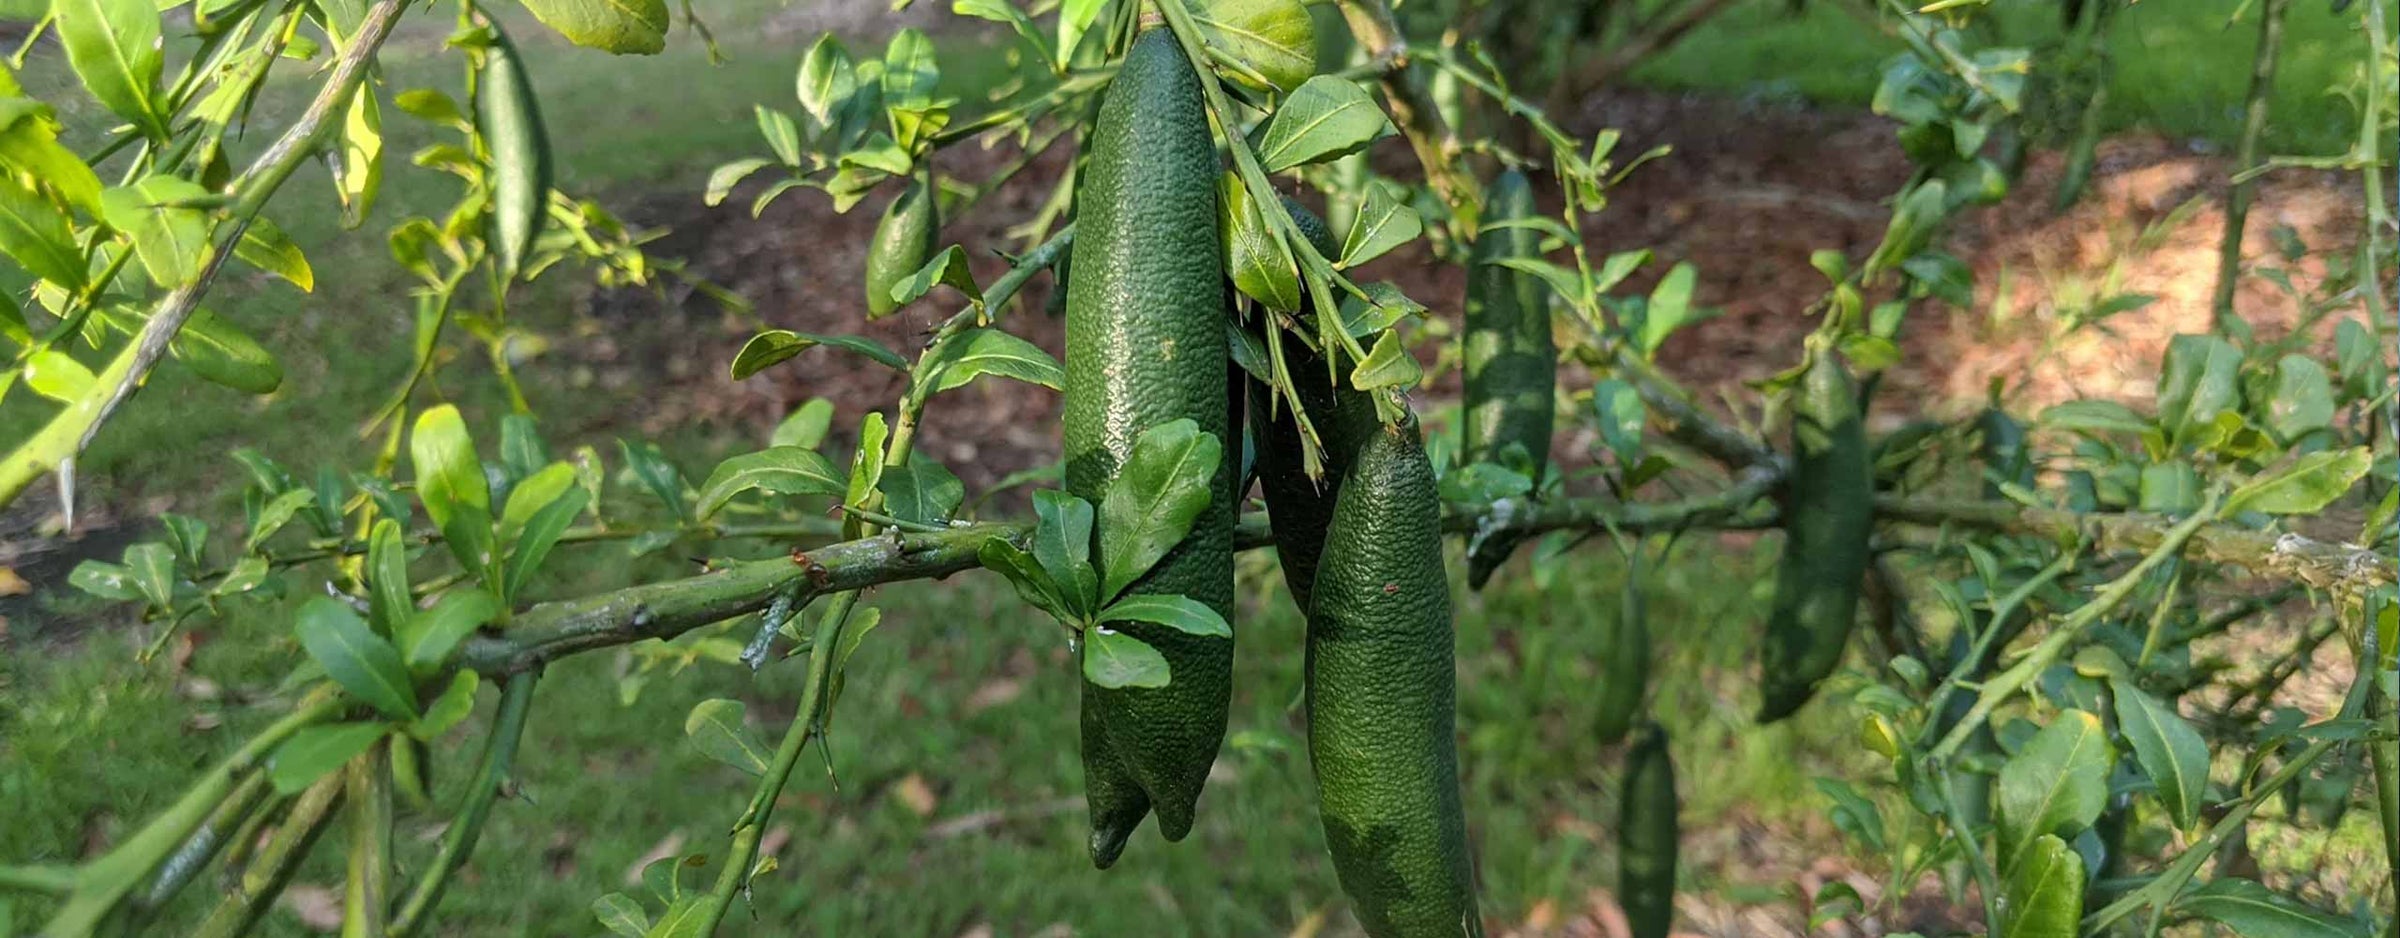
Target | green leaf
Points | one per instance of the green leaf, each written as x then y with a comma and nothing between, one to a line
469,538
656,474
1074,20
1062,543
806,426
355,657
911,71
2358,358
621,915
1022,571
2201,376
277,513
922,491
1566,283
152,568
1383,222
1670,307
536,492
617,26
1853,814
105,580
189,535
2303,400
389,602
456,702
57,376
426,638
1388,365
1117,660
1325,118
541,532
1158,493
116,49
1181,613
2251,909
267,248
2044,893
777,345
946,268
2057,784
1613,271
1274,38
779,470
223,354
29,145
2305,487
971,354
1256,259
245,575
828,81
1005,12
2094,416
866,466
1384,306
715,727
854,633
2171,753
358,176
722,179
449,473
315,751
1622,415
168,234
35,234
783,135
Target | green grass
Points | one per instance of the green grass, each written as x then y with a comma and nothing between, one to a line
2179,69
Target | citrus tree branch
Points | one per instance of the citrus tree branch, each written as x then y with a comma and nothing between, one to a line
73,429
1412,109
499,754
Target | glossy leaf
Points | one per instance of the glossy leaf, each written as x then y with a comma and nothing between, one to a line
535,492
621,915
827,82
971,354
620,26
34,233
922,490
1159,492
2044,892
115,47
717,729
1181,613
911,70
169,235
1260,265
358,179
947,268
2303,400
1025,574
57,376
1074,19
2251,909
1274,38
2056,785
355,657
1117,660
316,751
806,426
540,533
2201,376
448,471
1670,307
1325,118
223,354
2170,751
779,470
2306,486
455,703
267,248
775,346
1384,221
1388,365
277,512
1062,543
389,602
426,638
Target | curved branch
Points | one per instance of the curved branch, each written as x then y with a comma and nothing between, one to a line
2338,568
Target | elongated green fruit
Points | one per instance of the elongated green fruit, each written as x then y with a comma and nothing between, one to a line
1625,674
510,122
1146,346
1381,690
904,241
1830,502
1647,836
1511,362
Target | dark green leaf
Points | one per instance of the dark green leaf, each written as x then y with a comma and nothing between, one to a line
2303,399
948,268
2171,753
1256,259
2306,486
1181,613
540,533
1484,482
1161,489
522,452
779,470
1062,543
389,602
105,580
1382,223
922,491
246,574
222,353
968,355
427,637
35,234
1023,572
2044,893
1384,306
777,345
355,657
866,466
1117,660
277,513
2200,377
2251,909
656,474
2056,785
1622,415
315,751
1853,814
716,728
2094,416
152,567
1325,118
189,535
